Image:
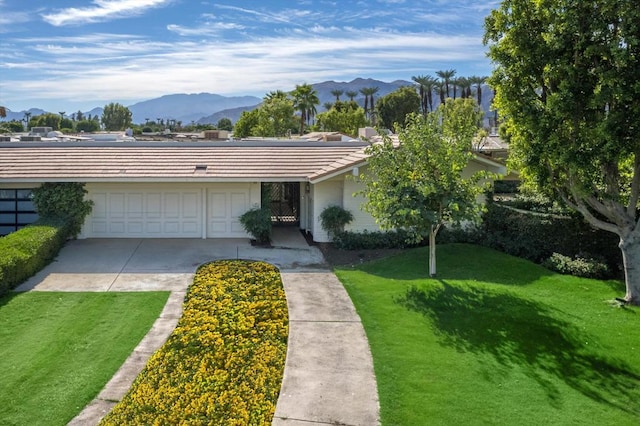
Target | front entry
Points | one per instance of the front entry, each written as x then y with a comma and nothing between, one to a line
285,201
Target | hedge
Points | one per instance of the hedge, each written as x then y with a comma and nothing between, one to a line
223,363
537,237
29,249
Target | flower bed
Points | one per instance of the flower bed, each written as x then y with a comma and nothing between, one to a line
223,363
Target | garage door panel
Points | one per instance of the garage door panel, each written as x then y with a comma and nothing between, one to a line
116,205
191,205
153,205
172,205
135,206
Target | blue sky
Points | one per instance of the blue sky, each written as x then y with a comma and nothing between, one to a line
70,54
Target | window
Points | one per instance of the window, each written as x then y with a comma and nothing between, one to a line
16,210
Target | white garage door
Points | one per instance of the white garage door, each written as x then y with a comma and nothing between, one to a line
166,210
224,209
145,212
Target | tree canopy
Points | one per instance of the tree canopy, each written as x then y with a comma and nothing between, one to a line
393,108
116,117
418,184
567,85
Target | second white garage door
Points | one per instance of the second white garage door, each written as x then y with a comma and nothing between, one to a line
166,211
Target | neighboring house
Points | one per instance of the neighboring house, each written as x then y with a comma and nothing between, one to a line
192,190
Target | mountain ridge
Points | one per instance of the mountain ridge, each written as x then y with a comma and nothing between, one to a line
209,108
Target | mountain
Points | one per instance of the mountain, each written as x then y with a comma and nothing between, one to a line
187,107
324,90
20,115
207,108
232,114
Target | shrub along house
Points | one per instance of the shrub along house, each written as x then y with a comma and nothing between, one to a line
191,190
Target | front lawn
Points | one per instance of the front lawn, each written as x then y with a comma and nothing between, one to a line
58,350
495,340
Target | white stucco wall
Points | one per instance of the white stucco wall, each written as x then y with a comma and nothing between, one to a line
362,220
325,194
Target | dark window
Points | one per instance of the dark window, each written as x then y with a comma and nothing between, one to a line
16,210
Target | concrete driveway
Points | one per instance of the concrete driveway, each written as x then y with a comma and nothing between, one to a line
328,377
159,264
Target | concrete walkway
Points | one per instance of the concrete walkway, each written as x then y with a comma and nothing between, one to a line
328,377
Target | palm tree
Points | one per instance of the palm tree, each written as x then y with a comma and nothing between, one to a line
275,94
441,90
446,76
420,80
427,85
465,87
337,93
351,94
368,93
327,105
478,81
305,99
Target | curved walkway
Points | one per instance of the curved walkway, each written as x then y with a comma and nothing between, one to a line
328,377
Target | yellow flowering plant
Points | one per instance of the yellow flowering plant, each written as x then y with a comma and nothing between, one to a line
223,363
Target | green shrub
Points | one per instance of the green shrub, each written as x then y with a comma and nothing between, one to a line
63,200
334,218
536,236
580,266
257,222
28,250
365,240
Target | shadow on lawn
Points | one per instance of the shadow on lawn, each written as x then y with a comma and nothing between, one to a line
518,332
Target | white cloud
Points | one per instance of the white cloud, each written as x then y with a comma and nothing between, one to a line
208,29
102,11
133,69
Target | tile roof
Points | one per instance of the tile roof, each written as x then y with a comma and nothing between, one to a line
140,161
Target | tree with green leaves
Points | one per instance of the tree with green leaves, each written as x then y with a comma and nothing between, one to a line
347,119
418,184
447,77
351,94
48,119
116,117
393,108
368,93
247,121
337,93
566,82
224,124
477,82
87,126
305,99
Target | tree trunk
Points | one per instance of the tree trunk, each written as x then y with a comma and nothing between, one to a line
432,251
631,256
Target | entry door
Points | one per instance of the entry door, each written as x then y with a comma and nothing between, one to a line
285,202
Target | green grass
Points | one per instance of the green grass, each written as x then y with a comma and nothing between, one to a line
57,350
496,340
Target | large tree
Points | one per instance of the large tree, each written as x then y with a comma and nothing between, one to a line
116,117
393,108
567,85
418,184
